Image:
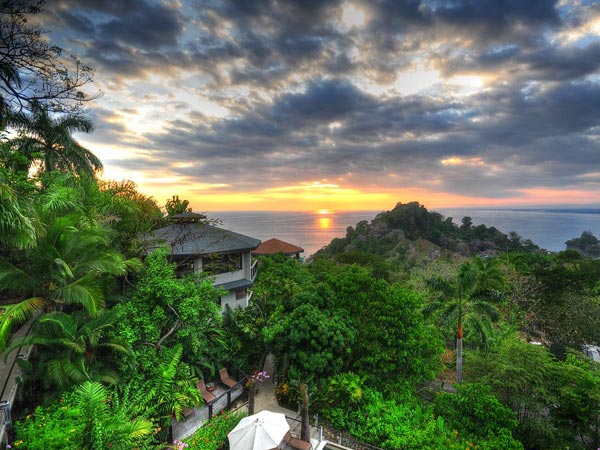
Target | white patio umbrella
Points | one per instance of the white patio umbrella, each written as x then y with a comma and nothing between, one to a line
260,431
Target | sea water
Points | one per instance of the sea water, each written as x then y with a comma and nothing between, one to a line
549,228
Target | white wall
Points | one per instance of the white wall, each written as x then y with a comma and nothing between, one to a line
229,299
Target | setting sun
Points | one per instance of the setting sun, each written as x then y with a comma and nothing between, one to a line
324,211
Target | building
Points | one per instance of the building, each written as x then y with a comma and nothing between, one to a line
274,246
199,247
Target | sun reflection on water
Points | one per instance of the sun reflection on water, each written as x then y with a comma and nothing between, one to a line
324,222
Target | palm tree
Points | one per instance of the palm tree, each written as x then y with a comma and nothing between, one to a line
16,228
47,140
74,348
66,268
468,300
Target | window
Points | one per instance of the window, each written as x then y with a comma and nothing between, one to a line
217,264
240,294
185,266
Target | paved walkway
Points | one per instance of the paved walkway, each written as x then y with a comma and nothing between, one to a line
265,399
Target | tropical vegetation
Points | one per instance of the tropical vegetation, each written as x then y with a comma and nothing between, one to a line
409,332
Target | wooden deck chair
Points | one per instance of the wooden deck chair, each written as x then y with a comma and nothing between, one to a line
208,397
226,379
296,443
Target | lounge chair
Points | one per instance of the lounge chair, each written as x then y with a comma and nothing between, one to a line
296,443
208,397
226,379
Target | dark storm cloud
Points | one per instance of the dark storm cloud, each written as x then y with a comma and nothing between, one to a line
496,15
398,15
124,37
148,27
566,63
323,100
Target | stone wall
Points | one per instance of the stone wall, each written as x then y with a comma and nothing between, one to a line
345,440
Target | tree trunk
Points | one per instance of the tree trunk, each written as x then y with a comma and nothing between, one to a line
459,360
251,391
305,428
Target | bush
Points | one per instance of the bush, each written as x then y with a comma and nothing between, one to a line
479,416
56,427
213,435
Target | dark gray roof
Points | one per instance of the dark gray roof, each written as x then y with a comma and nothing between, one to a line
199,239
237,284
188,216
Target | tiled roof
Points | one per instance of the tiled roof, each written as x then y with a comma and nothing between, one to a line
274,245
192,238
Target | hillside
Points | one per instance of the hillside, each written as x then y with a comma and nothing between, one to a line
410,229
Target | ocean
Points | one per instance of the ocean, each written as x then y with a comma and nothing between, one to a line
548,228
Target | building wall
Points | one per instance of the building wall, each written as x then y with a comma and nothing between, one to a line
229,299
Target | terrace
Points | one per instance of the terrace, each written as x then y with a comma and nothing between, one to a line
225,399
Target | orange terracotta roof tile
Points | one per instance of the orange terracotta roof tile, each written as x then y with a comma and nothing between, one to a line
274,245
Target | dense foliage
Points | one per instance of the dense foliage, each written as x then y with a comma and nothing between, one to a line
213,436
367,330
89,417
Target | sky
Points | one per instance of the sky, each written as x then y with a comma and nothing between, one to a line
343,104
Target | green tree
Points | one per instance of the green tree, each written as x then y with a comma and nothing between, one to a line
563,306
165,310
393,345
317,343
468,300
390,424
73,349
17,229
171,389
176,206
576,413
33,70
90,417
68,266
479,417
46,140
523,378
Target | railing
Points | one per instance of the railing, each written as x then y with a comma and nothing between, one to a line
211,405
242,377
10,369
253,269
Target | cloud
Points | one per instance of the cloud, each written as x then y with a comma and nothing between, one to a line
250,95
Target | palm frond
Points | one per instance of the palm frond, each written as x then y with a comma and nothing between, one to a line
14,279
64,372
136,428
17,314
84,292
